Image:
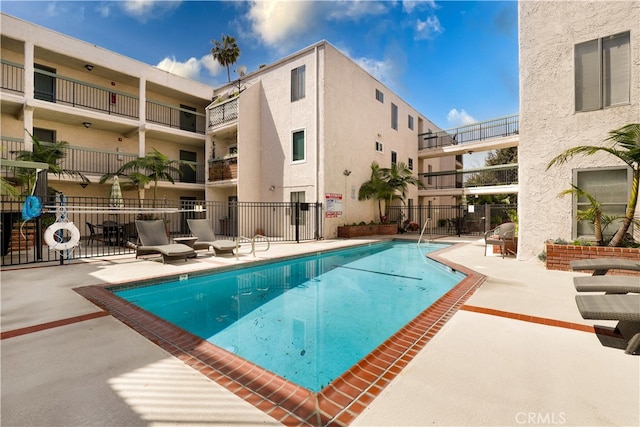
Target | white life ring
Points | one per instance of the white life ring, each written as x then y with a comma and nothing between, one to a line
51,239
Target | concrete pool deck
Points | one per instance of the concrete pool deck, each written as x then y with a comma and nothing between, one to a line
65,362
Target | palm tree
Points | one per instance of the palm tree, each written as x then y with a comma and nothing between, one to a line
225,52
376,188
50,153
625,146
153,167
388,184
400,177
593,213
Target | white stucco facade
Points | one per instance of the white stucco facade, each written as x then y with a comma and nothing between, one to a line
342,121
106,106
549,122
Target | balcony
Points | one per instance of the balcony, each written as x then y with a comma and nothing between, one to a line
223,113
12,77
174,117
223,169
491,129
90,161
59,89
490,176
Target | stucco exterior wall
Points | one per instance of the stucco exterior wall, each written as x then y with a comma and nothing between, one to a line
353,121
27,44
549,123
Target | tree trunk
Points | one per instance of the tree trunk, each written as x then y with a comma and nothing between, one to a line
631,209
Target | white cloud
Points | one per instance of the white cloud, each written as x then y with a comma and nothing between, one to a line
381,70
142,10
410,5
212,66
355,9
104,10
427,29
190,68
274,22
459,118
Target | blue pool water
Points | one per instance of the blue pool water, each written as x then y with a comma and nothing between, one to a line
308,319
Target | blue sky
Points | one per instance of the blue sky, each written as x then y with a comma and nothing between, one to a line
456,62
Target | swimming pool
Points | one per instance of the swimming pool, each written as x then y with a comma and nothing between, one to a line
308,319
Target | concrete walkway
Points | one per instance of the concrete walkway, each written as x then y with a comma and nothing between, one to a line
66,363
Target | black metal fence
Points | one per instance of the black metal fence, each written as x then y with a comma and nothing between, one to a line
495,128
105,230
449,220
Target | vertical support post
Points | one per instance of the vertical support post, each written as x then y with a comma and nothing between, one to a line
297,214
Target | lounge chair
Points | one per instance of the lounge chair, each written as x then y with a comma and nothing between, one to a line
607,284
201,229
154,240
601,266
500,236
623,308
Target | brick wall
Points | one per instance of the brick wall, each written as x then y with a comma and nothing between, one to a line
558,256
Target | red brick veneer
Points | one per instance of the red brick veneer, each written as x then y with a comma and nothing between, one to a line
559,256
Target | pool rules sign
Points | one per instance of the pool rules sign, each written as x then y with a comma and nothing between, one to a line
333,202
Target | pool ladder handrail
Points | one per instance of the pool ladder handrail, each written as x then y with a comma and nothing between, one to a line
244,239
424,227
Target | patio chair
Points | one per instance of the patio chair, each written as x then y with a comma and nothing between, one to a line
154,240
92,233
623,308
607,284
201,229
601,266
500,236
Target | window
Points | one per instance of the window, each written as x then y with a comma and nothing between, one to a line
44,135
297,83
394,116
44,84
410,164
394,158
379,147
187,118
379,96
609,186
297,146
188,174
410,122
429,177
602,72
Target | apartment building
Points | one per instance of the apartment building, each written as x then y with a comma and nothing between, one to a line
579,79
109,108
307,129
303,129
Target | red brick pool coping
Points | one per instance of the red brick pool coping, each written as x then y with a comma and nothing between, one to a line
339,402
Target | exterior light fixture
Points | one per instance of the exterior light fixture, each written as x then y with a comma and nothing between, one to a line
89,67
273,187
346,172
86,124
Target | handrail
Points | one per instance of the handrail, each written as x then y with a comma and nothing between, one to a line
244,239
253,243
422,232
